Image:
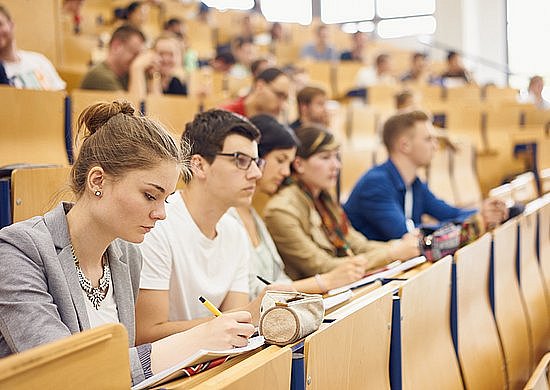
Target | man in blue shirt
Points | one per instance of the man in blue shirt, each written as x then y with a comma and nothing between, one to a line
389,200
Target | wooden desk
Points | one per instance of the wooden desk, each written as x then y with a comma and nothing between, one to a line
479,350
428,359
353,351
510,315
540,379
93,359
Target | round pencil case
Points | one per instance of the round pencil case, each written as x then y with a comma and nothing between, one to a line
286,317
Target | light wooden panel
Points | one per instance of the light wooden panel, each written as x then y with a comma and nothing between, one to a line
439,175
524,188
466,94
268,369
382,96
510,315
496,94
464,176
346,75
37,26
540,379
32,127
532,286
94,359
35,191
172,111
544,242
355,163
428,357
479,349
353,352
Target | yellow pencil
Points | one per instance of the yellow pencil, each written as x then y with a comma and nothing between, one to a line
213,309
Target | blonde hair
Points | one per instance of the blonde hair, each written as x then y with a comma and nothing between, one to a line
115,139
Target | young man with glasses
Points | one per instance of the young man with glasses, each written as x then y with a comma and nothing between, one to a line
198,250
269,95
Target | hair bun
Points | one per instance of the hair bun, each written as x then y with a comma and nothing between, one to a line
97,115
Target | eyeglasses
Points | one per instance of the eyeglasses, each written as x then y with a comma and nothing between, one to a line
243,161
281,95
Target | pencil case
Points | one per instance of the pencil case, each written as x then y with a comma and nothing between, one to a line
286,317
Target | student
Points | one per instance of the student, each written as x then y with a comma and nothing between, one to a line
310,228
77,267
25,69
198,250
278,148
378,206
269,95
312,108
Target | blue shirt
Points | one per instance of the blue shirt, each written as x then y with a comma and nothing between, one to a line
375,207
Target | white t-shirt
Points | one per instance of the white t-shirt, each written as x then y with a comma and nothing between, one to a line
106,313
33,71
179,258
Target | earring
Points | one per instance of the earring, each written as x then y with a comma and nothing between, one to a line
97,193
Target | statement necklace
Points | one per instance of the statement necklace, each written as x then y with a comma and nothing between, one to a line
95,294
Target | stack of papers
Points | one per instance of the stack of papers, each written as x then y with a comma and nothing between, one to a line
200,356
333,300
387,272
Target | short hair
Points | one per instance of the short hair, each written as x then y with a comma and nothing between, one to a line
418,55
451,54
241,41
399,124
307,94
256,64
207,132
113,137
226,57
401,98
125,32
269,74
381,58
275,135
171,22
4,10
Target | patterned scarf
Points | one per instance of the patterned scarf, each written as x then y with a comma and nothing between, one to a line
335,221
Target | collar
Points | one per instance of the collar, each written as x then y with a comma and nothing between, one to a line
395,176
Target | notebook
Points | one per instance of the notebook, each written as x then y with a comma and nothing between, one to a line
198,357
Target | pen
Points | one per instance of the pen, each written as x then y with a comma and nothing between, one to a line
213,309
263,280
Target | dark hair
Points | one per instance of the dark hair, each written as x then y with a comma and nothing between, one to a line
314,140
171,22
132,7
240,41
256,64
4,10
419,54
118,141
269,74
208,131
381,58
306,95
125,32
274,134
226,57
451,54
401,98
397,125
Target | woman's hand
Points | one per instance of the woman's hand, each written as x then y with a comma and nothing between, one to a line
349,271
224,332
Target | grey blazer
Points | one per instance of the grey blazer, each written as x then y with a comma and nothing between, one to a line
40,297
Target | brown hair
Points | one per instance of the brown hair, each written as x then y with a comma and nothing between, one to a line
401,99
397,125
306,95
4,10
314,140
125,32
119,141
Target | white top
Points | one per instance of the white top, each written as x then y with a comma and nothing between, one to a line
107,311
367,76
265,261
179,258
33,71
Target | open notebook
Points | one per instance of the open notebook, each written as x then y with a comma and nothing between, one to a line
200,356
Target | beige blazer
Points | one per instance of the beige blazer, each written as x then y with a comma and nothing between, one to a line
296,228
